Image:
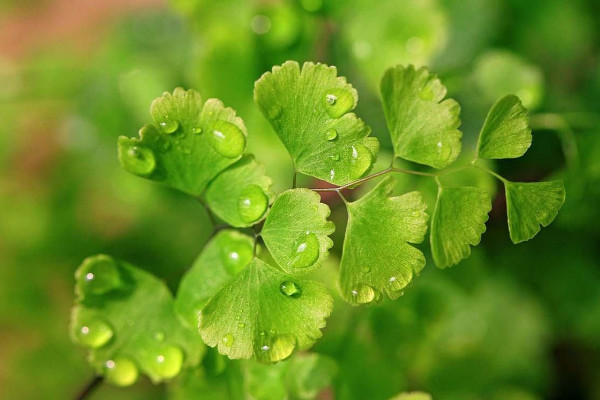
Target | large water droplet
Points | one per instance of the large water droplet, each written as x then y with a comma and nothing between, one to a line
93,332
98,275
306,251
331,134
227,139
363,294
444,152
228,340
167,361
121,371
252,203
276,347
290,289
360,160
137,159
168,125
236,253
338,102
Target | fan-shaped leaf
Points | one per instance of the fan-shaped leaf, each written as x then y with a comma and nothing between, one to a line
296,231
310,112
265,313
423,126
377,257
191,143
530,205
458,222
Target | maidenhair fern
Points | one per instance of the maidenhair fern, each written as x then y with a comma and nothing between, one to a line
248,294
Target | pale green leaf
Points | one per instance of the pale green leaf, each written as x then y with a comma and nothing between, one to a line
458,222
505,132
423,126
310,112
412,396
221,259
529,205
240,195
265,313
296,231
125,316
190,143
376,257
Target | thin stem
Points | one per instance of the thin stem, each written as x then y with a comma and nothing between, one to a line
89,388
356,182
489,171
294,179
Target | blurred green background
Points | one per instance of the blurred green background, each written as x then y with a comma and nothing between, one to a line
513,322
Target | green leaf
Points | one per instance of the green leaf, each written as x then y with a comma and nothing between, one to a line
458,222
302,376
423,126
240,195
412,396
189,145
530,205
310,112
505,132
296,231
222,258
125,317
265,313
376,257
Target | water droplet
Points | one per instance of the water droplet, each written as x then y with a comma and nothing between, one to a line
262,333
252,203
444,152
306,251
167,361
197,130
290,289
332,174
121,371
159,336
228,340
227,139
236,253
360,160
93,332
241,325
334,157
331,134
168,125
265,348
392,279
98,275
137,159
366,269
276,347
338,102
363,294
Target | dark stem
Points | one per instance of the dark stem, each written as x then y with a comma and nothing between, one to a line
89,388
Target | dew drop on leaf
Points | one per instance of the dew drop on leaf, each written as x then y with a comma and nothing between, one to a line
338,102
98,275
228,340
306,251
197,130
360,160
93,332
227,139
241,325
290,289
236,254
167,361
252,203
334,157
331,134
138,160
274,112
363,294
121,371
168,125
